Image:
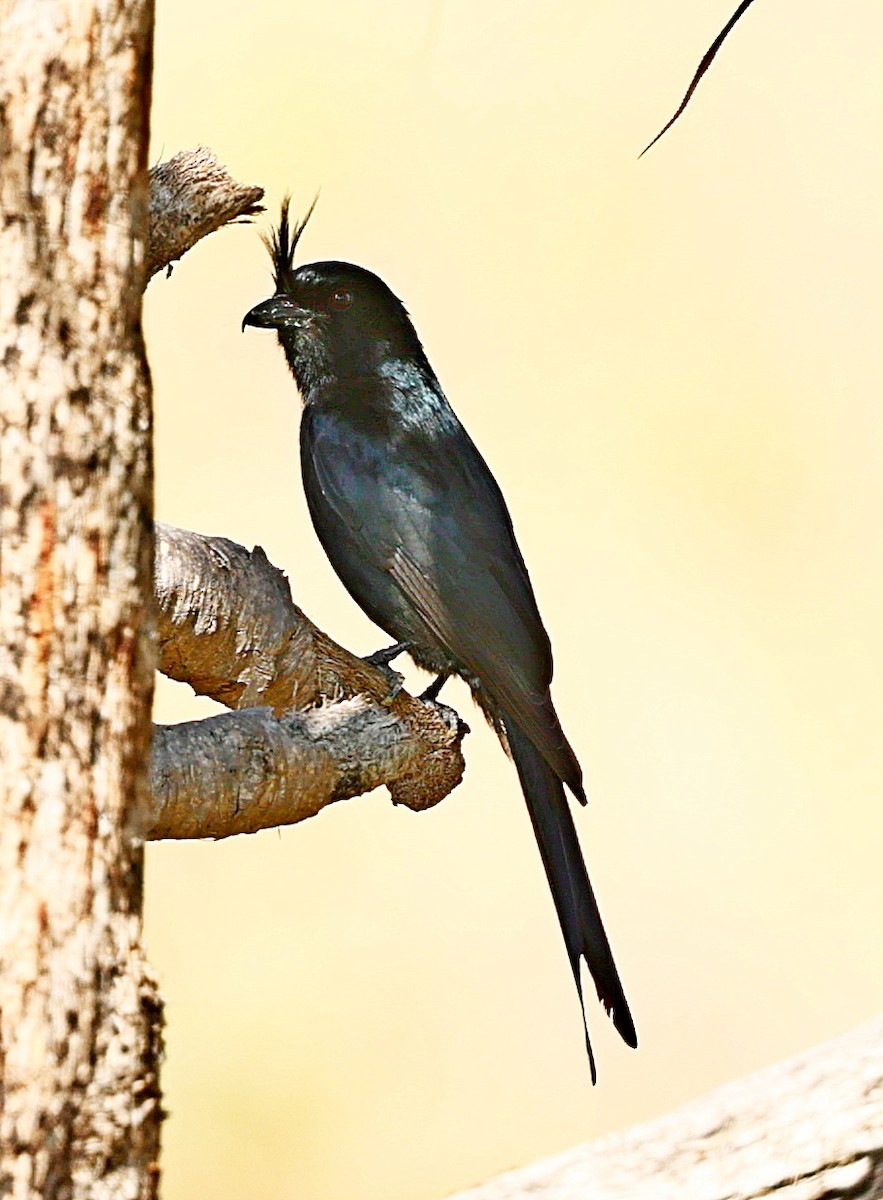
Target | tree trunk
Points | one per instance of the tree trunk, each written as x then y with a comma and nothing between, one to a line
79,1014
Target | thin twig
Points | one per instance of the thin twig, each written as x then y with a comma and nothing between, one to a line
707,60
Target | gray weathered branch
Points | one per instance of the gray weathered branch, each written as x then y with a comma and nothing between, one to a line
806,1129
227,626
241,772
191,196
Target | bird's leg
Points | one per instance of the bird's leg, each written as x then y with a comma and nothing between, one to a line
434,688
382,658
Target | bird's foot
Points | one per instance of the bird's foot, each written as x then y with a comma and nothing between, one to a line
382,658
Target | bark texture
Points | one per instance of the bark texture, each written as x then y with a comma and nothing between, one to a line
191,196
241,772
810,1128
80,1019
227,626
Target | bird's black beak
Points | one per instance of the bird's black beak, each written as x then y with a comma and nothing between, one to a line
279,312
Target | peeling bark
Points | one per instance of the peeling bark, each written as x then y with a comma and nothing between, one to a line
80,1020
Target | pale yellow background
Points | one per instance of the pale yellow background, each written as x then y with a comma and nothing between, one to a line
673,366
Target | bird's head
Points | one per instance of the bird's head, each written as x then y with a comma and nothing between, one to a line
333,319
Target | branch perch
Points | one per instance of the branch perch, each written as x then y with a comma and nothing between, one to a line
241,772
227,625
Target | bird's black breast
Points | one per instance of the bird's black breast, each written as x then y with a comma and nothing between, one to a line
364,500
415,525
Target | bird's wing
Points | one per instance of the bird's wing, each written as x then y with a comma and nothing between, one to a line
439,525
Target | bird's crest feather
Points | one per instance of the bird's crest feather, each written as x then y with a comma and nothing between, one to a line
282,243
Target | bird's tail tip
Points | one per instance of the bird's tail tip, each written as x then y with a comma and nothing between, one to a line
610,992
622,1022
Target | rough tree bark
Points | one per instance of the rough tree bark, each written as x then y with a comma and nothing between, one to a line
80,1019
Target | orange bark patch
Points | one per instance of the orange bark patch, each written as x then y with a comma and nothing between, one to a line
41,617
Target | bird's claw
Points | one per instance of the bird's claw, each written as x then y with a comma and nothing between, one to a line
382,658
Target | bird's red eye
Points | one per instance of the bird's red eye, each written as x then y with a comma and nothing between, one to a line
341,299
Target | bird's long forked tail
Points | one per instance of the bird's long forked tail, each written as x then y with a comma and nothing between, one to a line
575,902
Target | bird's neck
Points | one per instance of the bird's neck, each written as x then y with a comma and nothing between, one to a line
362,374
316,366
400,396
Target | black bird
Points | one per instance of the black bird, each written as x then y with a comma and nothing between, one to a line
416,527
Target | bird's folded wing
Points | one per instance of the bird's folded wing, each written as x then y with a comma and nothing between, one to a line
446,540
